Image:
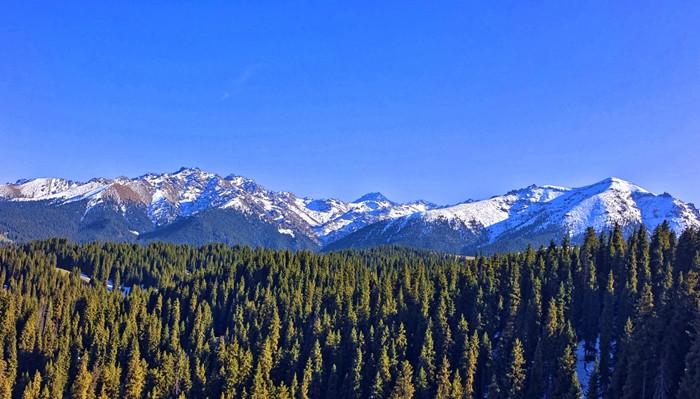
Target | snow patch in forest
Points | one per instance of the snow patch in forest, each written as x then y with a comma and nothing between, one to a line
584,369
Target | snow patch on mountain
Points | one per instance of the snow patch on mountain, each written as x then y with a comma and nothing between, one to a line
490,212
288,232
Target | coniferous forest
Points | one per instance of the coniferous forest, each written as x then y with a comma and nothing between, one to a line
108,320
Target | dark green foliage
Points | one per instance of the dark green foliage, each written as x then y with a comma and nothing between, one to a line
223,322
228,227
32,220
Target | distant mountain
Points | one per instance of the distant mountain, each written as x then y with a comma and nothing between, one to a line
189,205
532,215
195,206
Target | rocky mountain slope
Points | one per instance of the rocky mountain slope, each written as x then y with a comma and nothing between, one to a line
195,206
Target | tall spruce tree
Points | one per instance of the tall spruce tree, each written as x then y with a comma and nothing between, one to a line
514,385
642,361
403,387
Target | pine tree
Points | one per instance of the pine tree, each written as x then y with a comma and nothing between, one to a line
305,389
426,365
515,377
457,386
674,339
33,389
619,375
82,381
566,384
591,302
135,374
618,256
401,343
606,332
661,251
262,383
377,391
5,383
537,384
485,367
444,385
403,388
642,360
109,382
594,389
356,381
690,382
259,390
471,366
383,375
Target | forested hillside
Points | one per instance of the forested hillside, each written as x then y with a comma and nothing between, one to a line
222,322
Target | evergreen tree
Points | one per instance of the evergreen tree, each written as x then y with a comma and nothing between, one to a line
82,381
606,333
619,375
594,389
135,374
537,384
642,360
426,365
457,387
690,382
591,302
383,375
403,388
471,365
515,378
566,384
356,372
33,389
444,384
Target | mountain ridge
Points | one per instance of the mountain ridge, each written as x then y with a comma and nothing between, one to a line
158,206
167,197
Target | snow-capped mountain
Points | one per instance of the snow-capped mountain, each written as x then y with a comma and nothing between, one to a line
169,197
195,206
532,215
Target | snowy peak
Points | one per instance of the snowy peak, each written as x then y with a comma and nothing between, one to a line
47,188
374,197
188,170
615,184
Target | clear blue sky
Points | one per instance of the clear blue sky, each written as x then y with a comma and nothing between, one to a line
413,99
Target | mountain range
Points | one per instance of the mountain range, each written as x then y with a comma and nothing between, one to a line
198,207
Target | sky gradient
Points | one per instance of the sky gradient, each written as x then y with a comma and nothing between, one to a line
416,101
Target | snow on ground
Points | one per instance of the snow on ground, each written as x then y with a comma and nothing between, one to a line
584,369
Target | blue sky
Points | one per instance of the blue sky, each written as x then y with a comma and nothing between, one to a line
437,100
